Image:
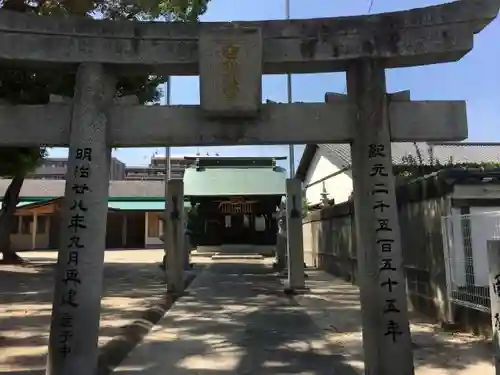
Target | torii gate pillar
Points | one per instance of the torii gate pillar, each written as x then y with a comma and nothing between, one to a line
174,237
294,236
386,333
76,306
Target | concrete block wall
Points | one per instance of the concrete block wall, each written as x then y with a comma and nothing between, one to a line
330,244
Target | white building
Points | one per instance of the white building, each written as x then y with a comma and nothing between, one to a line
326,168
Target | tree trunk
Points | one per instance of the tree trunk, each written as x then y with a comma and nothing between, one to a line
9,204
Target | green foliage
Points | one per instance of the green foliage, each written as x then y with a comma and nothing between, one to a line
138,10
19,160
415,166
34,86
20,86
305,207
145,10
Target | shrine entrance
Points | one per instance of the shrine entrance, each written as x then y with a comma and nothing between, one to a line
230,59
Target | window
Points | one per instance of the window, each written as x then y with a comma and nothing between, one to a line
41,224
153,224
26,223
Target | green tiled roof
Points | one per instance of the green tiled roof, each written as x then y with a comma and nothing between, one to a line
131,205
234,181
23,203
136,206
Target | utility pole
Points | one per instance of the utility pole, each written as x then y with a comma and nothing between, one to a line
291,151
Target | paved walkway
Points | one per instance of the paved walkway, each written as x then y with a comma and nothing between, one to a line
235,320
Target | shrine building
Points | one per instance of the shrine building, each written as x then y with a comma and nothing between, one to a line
236,199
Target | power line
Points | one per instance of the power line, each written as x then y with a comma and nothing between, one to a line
291,149
370,6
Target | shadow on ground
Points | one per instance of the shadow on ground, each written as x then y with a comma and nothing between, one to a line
243,325
132,283
334,306
251,327
238,322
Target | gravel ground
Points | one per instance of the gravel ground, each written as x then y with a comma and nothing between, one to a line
132,281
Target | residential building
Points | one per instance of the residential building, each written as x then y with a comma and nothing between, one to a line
155,171
55,169
326,169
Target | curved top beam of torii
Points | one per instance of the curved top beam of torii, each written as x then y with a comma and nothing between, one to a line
441,33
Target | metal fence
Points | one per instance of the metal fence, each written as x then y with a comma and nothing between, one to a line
466,257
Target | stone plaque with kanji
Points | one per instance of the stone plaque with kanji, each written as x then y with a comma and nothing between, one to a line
230,61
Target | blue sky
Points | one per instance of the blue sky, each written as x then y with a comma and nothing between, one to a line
475,78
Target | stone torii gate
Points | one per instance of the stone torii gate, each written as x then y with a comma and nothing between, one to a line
230,59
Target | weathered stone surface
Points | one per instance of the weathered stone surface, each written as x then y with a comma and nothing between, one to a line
122,100
144,126
477,13
231,72
399,96
174,236
429,35
386,335
78,285
428,121
294,235
415,121
278,124
21,124
297,55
